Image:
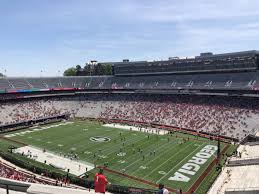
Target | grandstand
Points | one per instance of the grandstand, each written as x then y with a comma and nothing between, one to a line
209,97
240,173
239,61
244,81
223,72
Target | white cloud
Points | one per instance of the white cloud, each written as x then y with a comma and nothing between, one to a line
184,10
57,36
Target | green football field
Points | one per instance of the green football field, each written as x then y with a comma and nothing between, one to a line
159,158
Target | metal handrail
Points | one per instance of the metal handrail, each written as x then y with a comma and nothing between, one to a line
10,186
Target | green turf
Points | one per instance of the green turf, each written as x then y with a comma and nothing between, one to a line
169,157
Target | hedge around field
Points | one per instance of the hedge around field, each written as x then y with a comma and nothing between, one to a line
42,169
51,172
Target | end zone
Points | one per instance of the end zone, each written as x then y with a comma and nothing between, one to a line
75,167
139,129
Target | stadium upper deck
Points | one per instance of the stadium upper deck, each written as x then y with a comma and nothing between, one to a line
245,81
224,72
206,62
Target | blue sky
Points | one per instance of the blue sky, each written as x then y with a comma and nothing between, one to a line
52,35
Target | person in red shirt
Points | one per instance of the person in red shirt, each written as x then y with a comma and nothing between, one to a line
100,182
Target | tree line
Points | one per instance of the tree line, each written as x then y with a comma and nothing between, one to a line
89,70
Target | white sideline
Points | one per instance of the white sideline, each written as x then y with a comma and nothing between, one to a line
133,128
35,128
58,161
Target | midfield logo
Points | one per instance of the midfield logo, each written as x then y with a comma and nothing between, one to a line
100,139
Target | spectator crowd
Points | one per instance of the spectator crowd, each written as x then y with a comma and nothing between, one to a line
233,117
229,116
9,172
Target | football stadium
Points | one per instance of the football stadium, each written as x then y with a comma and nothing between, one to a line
129,97
180,122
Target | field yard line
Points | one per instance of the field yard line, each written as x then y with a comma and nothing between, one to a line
161,153
166,160
112,149
127,141
84,145
41,144
130,140
116,146
93,146
53,147
179,163
144,142
145,155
